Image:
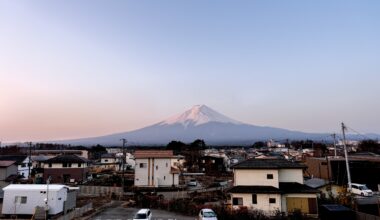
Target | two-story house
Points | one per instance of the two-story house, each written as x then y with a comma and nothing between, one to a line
22,162
65,169
109,161
272,186
156,168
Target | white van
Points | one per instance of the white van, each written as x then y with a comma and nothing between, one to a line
143,214
360,189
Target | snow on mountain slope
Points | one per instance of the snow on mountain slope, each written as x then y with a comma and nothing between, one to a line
198,115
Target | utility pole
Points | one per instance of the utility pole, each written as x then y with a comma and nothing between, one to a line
334,136
123,164
30,160
346,155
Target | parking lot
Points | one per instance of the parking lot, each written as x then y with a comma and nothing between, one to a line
128,213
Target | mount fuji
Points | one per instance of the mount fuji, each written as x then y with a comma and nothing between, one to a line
199,122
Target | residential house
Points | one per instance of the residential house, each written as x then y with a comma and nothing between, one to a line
109,161
156,168
7,170
272,186
22,162
328,190
65,169
212,164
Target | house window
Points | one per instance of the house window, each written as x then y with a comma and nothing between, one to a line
272,200
269,176
50,165
156,167
143,165
166,164
20,199
64,165
79,164
254,198
164,177
69,164
237,201
105,160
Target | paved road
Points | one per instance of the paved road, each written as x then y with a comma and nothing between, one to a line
119,213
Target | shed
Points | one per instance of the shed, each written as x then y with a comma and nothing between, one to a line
24,198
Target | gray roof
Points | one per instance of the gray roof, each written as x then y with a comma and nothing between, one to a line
315,182
67,159
268,164
285,188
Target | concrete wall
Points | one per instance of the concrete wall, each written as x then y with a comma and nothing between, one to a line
247,177
291,175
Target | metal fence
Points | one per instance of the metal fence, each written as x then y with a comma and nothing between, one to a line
99,190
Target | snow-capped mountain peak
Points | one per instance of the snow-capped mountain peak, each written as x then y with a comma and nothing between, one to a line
197,115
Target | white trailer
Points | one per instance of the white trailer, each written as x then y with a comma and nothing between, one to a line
22,199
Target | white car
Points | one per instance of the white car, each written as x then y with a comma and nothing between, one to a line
143,214
360,189
207,214
192,182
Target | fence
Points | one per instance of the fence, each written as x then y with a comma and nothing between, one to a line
364,216
76,213
100,190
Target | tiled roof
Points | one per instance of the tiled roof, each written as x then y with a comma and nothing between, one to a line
66,159
296,188
6,163
268,164
141,154
285,188
254,189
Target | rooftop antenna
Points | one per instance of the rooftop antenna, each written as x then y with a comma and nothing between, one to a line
344,128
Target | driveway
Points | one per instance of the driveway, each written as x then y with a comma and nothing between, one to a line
128,213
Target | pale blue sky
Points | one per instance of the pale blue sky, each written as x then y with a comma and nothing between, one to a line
72,69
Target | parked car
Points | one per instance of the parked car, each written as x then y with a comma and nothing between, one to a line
207,214
361,189
143,214
192,182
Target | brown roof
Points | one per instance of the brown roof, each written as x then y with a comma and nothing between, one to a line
6,163
141,154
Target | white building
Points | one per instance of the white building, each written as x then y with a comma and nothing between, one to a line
272,185
156,168
22,199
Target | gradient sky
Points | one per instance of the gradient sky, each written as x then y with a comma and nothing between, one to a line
71,69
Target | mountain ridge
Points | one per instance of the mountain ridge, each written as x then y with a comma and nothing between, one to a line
199,122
